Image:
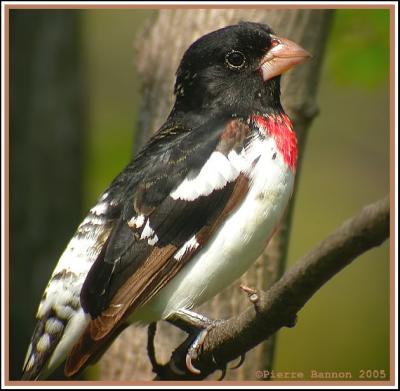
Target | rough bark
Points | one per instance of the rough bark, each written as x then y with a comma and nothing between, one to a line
46,122
158,53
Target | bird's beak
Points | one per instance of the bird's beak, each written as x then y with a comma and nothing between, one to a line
283,55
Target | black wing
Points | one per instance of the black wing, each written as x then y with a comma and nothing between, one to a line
166,161
141,254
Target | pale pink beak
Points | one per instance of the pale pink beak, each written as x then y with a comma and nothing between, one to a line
283,55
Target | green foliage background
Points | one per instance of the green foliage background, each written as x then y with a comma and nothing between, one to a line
359,48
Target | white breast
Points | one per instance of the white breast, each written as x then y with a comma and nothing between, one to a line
240,239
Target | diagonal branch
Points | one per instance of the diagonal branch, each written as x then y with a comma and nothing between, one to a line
279,306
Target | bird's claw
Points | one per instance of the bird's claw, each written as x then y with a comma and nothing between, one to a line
175,369
223,373
194,350
240,363
191,322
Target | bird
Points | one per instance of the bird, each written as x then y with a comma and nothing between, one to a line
189,214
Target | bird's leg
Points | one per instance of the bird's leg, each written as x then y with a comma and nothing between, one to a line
197,326
151,333
190,321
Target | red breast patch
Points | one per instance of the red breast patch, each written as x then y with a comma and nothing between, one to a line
281,129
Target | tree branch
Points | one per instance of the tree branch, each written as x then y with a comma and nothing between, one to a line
278,307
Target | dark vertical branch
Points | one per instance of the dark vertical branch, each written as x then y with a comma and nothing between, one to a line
46,125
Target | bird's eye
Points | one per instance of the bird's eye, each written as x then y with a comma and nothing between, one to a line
235,59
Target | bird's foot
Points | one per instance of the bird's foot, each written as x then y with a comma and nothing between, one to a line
197,326
197,346
194,350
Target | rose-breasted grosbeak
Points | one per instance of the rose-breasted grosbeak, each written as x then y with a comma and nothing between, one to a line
190,213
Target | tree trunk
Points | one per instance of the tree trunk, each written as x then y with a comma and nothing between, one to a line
46,122
161,47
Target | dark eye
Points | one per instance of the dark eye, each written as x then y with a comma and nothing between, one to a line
235,59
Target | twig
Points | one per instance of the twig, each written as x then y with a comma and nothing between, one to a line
278,307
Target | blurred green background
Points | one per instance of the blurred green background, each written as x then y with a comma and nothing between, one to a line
345,327
345,166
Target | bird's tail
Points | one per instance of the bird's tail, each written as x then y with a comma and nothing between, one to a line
88,351
52,339
46,336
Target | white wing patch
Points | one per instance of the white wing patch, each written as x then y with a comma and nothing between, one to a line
136,221
239,161
153,240
100,208
147,231
215,174
191,244
149,234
